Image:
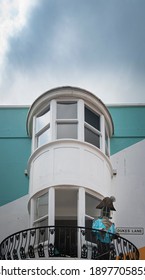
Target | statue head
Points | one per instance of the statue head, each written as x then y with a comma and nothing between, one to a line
106,205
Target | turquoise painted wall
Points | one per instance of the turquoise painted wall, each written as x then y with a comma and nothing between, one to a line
15,146
14,153
129,126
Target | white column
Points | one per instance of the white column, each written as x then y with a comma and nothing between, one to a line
81,216
51,213
103,134
53,120
51,206
81,207
81,120
32,209
34,141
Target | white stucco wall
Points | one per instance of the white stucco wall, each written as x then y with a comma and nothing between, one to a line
70,162
128,186
13,217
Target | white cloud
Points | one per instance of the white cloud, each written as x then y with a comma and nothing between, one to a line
110,86
13,17
60,46
66,41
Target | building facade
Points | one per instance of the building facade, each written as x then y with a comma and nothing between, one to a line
74,151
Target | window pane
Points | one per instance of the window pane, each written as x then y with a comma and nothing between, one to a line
92,137
91,203
66,130
43,223
41,206
66,204
42,120
44,138
92,119
67,110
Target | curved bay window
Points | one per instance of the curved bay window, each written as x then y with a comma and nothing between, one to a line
71,120
64,207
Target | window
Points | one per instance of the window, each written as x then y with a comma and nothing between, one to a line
91,212
92,128
41,210
42,127
92,137
41,206
66,110
65,130
92,119
67,123
66,206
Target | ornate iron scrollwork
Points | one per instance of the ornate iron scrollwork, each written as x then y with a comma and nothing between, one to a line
31,252
51,250
94,253
9,256
41,251
15,254
22,253
112,252
65,242
84,252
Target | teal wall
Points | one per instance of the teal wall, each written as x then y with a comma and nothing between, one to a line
129,126
14,153
15,146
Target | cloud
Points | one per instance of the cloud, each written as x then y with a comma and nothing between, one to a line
13,18
97,44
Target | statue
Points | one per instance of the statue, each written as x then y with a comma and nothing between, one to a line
106,227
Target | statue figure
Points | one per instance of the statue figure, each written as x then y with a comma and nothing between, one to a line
106,227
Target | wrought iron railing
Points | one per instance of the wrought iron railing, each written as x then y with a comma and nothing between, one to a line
65,242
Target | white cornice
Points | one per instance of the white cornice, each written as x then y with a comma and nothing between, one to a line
69,93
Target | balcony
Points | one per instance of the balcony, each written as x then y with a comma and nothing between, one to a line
52,242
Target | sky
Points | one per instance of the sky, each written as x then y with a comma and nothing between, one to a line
98,45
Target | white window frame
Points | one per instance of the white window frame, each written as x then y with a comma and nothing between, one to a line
79,121
107,145
91,128
43,129
36,221
66,121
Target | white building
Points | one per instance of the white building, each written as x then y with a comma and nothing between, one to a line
70,170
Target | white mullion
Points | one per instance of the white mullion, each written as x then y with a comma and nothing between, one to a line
96,131
41,219
34,138
53,120
80,115
90,217
51,206
32,212
51,212
80,216
67,121
81,207
102,124
42,130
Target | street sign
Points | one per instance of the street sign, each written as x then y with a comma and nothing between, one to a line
130,230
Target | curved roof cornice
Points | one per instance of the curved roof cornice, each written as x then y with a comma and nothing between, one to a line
68,92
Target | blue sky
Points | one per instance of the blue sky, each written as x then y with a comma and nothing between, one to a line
98,45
